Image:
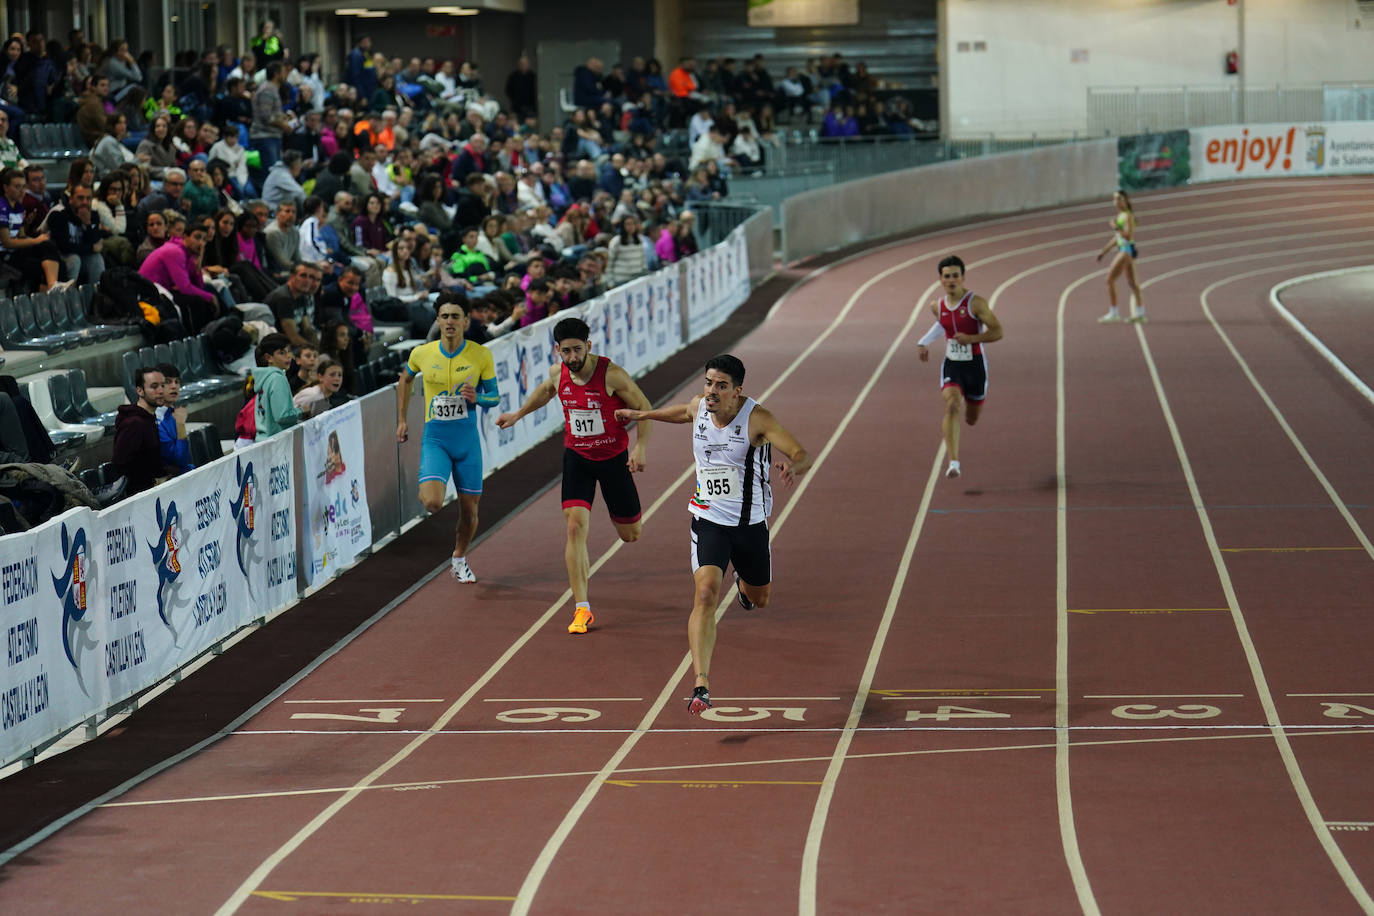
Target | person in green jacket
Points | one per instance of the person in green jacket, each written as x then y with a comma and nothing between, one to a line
469,263
274,411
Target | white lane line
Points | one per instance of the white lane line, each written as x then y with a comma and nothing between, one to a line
1068,830
1290,762
363,701
530,887
777,761
1275,296
811,852
1160,696
1278,414
971,696
1330,694
259,874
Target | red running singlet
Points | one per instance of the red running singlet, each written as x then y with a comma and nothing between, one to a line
589,424
961,320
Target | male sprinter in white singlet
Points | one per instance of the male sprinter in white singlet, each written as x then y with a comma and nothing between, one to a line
732,441
967,322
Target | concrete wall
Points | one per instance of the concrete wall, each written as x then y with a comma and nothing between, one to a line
1014,67
931,195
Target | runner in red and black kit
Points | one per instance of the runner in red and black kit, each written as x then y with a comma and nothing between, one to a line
966,322
596,448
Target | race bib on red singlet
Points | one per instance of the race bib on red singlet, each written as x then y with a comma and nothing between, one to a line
586,424
960,352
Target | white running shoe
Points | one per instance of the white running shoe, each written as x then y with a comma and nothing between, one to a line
1138,318
953,470
460,570
1110,318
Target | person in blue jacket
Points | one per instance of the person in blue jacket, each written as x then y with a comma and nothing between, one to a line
171,422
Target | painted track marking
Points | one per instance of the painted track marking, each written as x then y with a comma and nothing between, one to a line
1290,762
1337,363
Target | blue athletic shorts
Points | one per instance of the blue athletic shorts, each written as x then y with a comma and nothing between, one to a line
456,452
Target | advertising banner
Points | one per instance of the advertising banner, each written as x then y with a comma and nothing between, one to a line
340,526
1154,160
1282,150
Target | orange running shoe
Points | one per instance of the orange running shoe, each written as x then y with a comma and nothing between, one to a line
580,620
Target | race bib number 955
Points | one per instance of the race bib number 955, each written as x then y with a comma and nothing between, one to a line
718,482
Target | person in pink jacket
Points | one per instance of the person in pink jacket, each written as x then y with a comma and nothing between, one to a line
665,247
174,265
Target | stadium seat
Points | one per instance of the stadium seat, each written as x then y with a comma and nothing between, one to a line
76,314
12,336
367,379
53,307
195,440
91,478
29,332
47,325
82,399
40,392
203,368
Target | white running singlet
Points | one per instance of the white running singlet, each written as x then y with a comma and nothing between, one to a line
732,476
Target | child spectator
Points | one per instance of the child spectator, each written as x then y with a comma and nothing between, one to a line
274,410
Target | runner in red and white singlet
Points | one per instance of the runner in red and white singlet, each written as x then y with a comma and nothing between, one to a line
596,448
966,321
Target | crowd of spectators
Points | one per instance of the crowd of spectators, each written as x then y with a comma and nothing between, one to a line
240,196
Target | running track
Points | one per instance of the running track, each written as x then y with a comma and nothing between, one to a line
1120,666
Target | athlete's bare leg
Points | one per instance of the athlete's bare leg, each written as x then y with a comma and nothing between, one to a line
467,523
629,531
972,410
575,553
432,495
954,403
1118,265
1134,284
701,626
758,594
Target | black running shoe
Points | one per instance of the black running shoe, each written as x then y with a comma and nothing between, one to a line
700,701
744,602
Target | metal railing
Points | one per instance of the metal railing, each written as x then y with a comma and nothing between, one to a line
1126,110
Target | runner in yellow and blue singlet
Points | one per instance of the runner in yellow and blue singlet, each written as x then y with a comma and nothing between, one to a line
459,376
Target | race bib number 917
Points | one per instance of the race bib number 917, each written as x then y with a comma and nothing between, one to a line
586,423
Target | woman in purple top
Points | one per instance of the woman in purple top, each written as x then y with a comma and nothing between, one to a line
534,311
369,229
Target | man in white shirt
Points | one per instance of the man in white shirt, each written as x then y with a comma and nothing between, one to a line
707,147
530,191
701,123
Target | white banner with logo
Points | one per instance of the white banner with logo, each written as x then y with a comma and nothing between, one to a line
100,606
1282,150
717,284
338,525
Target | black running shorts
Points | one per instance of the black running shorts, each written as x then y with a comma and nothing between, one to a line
969,375
747,548
581,475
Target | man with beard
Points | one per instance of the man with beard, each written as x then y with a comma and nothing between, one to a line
596,449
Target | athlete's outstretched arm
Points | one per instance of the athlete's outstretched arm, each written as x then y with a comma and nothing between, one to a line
625,388
541,395
992,328
798,460
677,413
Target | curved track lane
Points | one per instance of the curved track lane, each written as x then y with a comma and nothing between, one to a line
1160,545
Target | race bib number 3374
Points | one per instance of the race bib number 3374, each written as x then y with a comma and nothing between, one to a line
448,407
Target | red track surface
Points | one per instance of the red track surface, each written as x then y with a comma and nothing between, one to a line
1219,706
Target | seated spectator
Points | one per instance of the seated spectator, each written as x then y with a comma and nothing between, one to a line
359,178
327,391
175,266
746,149
340,220
171,423
201,192
319,244
78,235
171,197
573,229
686,240
10,157
110,152
108,207
700,187
281,183
92,117
469,263
343,301
628,258
185,136
490,243
398,279
36,199
35,257
123,72
665,247
273,410
340,342
429,198
302,371
155,235
164,105
370,230
235,159
251,265
840,122
708,148
483,325
283,242
294,305
716,180
137,453
155,151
